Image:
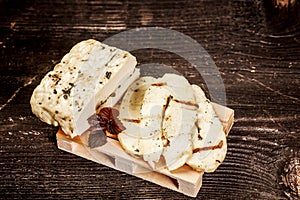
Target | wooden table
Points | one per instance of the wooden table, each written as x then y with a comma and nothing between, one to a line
255,45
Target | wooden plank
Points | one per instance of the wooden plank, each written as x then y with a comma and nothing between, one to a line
255,47
184,179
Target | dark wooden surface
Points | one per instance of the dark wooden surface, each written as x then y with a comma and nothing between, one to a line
255,46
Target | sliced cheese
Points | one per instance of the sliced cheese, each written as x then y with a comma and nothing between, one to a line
179,86
159,116
179,121
142,120
133,98
81,82
178,124
209,142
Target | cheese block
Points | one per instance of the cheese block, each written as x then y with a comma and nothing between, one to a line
83,81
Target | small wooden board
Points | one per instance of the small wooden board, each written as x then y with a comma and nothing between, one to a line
184,180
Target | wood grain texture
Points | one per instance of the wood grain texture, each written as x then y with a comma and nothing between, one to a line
257,55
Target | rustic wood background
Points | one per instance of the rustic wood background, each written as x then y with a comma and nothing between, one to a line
255,44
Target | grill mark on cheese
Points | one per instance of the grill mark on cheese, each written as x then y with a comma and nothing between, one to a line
159,84
165,140
218,146
188,103
132,120
198,130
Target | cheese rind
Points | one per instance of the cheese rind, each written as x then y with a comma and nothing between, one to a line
83,80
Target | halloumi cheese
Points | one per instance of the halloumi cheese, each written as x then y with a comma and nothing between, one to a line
209,142
164,117
159,116
84,79
169,118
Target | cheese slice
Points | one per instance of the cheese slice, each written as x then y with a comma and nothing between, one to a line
178,124
179,121
84,79
141,115
209,142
